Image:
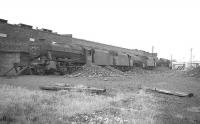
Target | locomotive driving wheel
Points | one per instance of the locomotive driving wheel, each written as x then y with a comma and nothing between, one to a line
38,70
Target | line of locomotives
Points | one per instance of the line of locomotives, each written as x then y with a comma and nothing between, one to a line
48,57
47,52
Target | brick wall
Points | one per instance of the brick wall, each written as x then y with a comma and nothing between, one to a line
7,59
24,58
18,38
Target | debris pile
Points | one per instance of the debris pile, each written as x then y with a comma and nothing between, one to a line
139,70
114,70
93,71
195,72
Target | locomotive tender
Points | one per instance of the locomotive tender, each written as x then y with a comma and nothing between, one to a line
41,50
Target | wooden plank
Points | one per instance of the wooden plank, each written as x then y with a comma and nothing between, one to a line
76,89
175,93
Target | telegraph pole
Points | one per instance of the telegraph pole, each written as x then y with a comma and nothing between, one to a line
171,61
152,49
191,56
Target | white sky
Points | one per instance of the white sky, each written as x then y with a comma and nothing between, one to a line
171,26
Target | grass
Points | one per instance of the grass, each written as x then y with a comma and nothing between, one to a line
140,108
143,109
20,105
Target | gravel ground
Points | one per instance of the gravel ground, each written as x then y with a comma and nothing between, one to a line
164,108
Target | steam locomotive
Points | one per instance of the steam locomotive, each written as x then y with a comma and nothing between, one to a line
66,58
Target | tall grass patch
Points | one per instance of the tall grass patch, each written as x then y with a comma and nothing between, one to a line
20,105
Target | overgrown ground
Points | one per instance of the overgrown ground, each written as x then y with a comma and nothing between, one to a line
22,102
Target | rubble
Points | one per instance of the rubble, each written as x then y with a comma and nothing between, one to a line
157,70
114,70
137,70
95,71
91,70
194,72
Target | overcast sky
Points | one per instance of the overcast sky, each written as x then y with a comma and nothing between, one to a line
172,27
